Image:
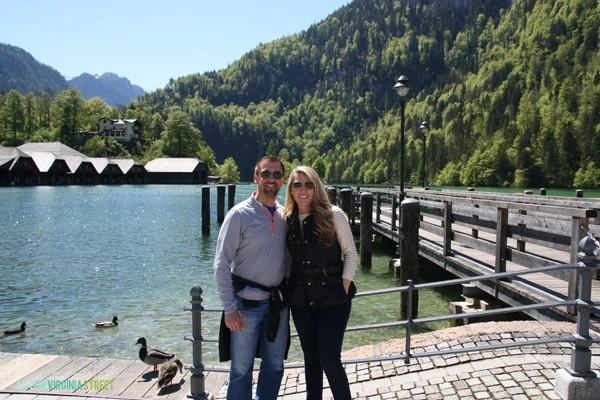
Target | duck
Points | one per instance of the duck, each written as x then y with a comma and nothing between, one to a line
152,356
168,370
107,324
13,331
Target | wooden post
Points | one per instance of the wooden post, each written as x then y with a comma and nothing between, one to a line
579,229
332,194
346,202
522,227
231,198
501,239
353,207
378,207
447,225
394,211
475,232
206,210
366,229
409,254
220,203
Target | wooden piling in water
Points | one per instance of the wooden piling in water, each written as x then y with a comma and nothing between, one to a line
366,229
409,253
206,210
220,203
346,202
231,198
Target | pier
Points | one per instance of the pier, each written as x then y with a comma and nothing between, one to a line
476,233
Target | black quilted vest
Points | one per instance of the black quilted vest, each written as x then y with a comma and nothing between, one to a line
316,279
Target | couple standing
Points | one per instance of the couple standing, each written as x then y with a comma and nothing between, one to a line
255,286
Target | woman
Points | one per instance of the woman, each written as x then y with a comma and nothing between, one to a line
320,287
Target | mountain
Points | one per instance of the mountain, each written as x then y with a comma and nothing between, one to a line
114,90
20,71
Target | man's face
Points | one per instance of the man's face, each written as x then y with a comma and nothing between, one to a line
269,179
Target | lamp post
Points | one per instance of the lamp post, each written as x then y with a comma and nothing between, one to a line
402,87
424,130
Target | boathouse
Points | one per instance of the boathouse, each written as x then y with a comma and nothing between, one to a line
57,164
177,171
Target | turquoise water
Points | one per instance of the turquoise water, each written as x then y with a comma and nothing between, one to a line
71,256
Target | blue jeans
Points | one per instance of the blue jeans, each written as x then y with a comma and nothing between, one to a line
244,350
321,334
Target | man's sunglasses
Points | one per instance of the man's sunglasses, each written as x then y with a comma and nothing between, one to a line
307,185
267,174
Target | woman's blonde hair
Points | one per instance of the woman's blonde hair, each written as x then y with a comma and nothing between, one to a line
323,225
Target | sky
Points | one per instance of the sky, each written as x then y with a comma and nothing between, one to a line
151,41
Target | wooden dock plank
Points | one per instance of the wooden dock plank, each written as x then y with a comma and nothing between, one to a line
121,378
114,369
40,376
67,374
135,380
19,367
6,357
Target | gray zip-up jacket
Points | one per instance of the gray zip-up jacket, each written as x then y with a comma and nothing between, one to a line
251,244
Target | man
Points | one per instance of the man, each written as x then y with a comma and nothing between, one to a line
249,267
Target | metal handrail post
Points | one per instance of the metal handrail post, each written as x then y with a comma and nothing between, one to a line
197,388
409,319
581,354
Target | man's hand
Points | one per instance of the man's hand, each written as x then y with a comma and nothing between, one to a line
234,321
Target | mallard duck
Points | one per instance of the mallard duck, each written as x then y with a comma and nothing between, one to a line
16,330
107,324
168,370
152,356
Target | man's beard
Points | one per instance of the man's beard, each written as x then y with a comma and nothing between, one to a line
270,192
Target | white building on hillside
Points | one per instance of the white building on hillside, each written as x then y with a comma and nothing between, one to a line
122,130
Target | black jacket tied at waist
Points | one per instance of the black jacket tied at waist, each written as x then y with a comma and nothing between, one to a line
316,278
277,303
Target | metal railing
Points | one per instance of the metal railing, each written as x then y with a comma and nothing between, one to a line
581,355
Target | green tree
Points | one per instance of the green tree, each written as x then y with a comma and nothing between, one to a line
180,138
157,126
320,167
15,114
229,171
68,115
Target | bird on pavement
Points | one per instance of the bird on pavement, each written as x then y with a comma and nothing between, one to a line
108,324
168,370
13,331
152,356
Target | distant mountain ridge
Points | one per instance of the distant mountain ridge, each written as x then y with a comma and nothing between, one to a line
114,90
19,70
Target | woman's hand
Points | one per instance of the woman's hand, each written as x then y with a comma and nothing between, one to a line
346,283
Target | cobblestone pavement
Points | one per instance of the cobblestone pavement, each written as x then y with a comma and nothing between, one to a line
525,372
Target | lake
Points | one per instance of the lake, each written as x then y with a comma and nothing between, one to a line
74,255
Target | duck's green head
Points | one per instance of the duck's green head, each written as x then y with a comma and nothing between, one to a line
141,341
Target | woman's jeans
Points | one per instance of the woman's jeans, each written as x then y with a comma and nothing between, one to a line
321,334
244,350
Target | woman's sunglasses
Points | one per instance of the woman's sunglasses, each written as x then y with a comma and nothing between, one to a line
267,174
307,185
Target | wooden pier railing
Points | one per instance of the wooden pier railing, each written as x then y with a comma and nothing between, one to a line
475,233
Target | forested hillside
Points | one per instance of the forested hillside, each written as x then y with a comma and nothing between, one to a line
20,71
510,91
